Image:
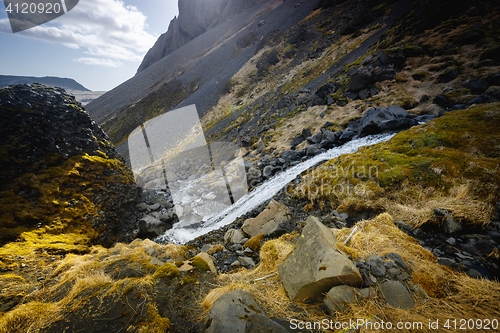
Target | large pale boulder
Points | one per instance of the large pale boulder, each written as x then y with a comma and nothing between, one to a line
237,311
316,265
272,221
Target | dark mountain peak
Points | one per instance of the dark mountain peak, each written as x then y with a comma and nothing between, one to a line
195,18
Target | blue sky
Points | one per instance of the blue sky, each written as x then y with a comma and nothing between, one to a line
100,43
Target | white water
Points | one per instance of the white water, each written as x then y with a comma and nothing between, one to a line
266,191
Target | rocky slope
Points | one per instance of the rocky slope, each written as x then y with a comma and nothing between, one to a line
414,221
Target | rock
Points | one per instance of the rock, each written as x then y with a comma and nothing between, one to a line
361,78
155,206
378,120
204,262
364,94
246,141
269,222
312,150
246,262
366,293
329,135
233,236
268,171
448,224
398,260
316,265
385,73
446,262
253,173
351,95
378,271
316,138
237,311
150,227
306,132
493,91
326,89
292,155
441,100
396,295
448,76
236,263
347,135
337,299
477,86
141,206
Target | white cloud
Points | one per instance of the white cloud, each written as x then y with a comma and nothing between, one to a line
107,30
99,62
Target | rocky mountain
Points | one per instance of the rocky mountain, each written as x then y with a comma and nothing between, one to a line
401,235
65,83
195,18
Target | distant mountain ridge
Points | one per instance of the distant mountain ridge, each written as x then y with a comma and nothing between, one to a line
65,83
195,18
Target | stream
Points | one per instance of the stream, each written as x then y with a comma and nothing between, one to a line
181,234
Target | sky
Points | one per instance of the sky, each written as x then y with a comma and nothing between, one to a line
99,43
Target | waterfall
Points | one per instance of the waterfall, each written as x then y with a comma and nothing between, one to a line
265,191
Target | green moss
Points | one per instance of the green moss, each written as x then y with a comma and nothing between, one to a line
200,263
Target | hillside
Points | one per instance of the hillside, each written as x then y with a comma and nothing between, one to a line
65,83
402,235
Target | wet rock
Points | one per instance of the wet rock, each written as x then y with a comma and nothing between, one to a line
378,120
292,155
150,227
312,150
396,295
316,265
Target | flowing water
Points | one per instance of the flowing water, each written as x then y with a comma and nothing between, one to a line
264,192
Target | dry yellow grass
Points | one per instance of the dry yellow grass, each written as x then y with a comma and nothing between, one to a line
452,295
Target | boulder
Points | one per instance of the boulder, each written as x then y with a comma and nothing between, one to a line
477,86
292,155
360,78
338,297
312,150
316,265
237,311
234,236
272,221
150,227
378,120
396,295
204,262
385,73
